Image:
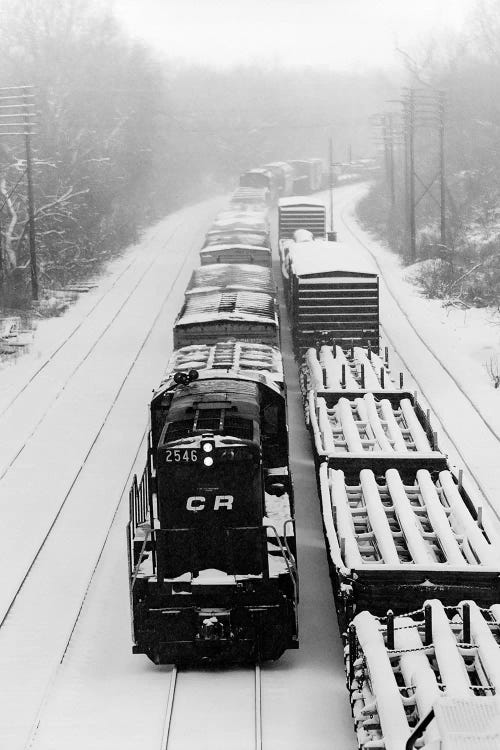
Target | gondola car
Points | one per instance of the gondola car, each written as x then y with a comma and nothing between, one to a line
245,197
211,537
219,277
216,316
240,235
236,252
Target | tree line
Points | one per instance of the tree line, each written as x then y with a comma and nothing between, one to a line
465,269
122,137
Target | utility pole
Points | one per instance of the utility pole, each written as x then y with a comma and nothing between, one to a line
17,118
442,173
423,108
411,167
331,182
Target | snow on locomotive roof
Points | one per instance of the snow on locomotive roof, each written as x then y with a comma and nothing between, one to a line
219,276
238,356
300,200
232,305
321,257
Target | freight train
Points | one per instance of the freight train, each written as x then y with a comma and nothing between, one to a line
305,176
211,537
413,559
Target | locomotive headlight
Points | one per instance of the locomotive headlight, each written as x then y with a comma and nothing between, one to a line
208,461
208,447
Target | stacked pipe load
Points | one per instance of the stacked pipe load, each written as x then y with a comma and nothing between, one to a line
352,370
228,355
391,539
360,427
439,663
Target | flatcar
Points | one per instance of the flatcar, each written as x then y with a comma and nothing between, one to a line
427,679
211,535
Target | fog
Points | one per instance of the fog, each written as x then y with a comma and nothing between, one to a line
129,127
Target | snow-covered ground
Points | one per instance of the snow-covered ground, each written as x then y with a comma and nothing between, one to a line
72,417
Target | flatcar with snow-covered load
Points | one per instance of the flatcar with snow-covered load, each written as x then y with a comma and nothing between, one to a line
211,537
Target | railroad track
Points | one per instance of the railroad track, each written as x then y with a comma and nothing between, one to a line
97,433
433,402
84,356
219,719
33,582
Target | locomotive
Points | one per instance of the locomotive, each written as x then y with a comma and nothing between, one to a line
212,537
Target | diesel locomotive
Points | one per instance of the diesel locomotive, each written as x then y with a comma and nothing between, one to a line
212,553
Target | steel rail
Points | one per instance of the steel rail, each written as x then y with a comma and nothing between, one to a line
81,323
258,708
167,722
94,440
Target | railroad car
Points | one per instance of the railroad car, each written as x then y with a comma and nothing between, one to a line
216,316
230,277
296,213
249,220
260,178
242,235
330,294
283,176
211,536
308,175
236,252
245,197
430,677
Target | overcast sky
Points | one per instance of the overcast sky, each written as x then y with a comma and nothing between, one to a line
338,33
